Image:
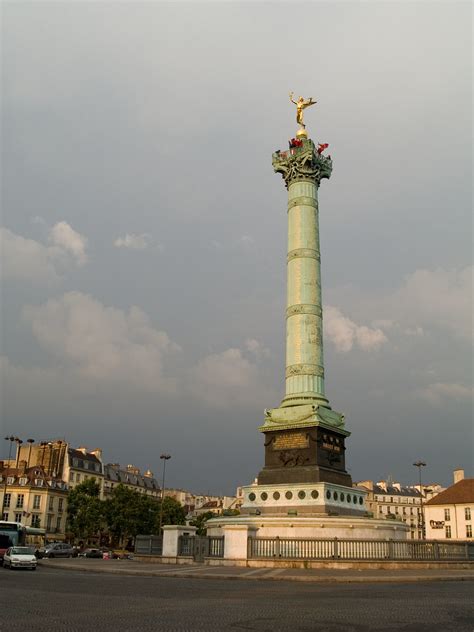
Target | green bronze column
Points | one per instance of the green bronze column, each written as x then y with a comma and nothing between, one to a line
304,437
303,168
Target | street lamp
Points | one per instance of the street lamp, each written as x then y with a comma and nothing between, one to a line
419,465
165,458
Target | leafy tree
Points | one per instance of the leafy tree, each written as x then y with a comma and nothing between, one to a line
129,513
200,522
173,512
84,510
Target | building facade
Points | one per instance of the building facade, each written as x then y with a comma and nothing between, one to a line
131,477
32,497
82,465
450,514
392,501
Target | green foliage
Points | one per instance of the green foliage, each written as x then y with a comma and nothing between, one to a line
200,522
173,512
231,512
84,510
128,513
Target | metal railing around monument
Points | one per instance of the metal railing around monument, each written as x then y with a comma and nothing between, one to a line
214,545
344,549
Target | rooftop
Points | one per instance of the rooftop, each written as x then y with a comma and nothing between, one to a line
458,494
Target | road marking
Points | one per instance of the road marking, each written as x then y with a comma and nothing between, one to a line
254,572
276,571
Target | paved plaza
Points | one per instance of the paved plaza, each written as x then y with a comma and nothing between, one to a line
56,598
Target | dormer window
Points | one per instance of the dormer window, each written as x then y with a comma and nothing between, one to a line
39,482
10,480
23,481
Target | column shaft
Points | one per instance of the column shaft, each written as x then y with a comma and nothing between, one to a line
304,343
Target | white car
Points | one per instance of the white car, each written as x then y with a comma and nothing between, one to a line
19,557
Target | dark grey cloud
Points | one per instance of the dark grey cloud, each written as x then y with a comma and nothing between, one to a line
159,119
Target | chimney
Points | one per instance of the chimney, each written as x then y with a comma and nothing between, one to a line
82,449
148,474
382,484
458,476
98,453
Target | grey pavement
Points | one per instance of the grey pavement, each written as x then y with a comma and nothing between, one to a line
150,569
55,598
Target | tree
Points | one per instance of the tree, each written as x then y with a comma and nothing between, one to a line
129,513
200,522
84,510
173,512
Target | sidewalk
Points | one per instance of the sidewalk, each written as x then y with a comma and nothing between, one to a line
145,569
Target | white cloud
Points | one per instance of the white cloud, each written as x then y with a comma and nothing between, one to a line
133,241
256,348
440,298
345,333
228,379
438,392
26,259
103,343
69,240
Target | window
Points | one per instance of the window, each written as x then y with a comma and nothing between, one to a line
20,499
467,513
446,515
51,503
78,478
35,520
60,504
6,500
48,523
23,481
10,480
468,531
58,524
448,530
36,501
71,476
5,516
18,517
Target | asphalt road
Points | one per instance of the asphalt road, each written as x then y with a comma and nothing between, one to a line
54,599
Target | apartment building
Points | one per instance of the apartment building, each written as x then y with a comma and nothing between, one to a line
34,498
131,477
450,514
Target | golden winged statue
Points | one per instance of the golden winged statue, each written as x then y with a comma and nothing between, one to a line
301,104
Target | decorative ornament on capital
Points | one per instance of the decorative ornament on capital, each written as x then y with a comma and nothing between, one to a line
303,161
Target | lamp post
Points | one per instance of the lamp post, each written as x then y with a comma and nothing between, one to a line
165,458
11,439
419,465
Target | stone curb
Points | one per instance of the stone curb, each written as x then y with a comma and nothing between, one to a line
343,579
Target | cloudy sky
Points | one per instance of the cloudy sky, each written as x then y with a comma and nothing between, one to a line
144,231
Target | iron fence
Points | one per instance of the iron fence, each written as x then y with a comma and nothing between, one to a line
149,544
216,546
345,549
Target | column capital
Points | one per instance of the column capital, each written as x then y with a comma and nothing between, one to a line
302,163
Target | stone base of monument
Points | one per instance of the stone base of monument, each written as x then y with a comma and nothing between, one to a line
299,513
303,499
243,532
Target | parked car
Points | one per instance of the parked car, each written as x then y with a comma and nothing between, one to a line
19,557
56,549
91,553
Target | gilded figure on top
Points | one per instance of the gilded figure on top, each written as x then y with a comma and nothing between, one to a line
301,104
